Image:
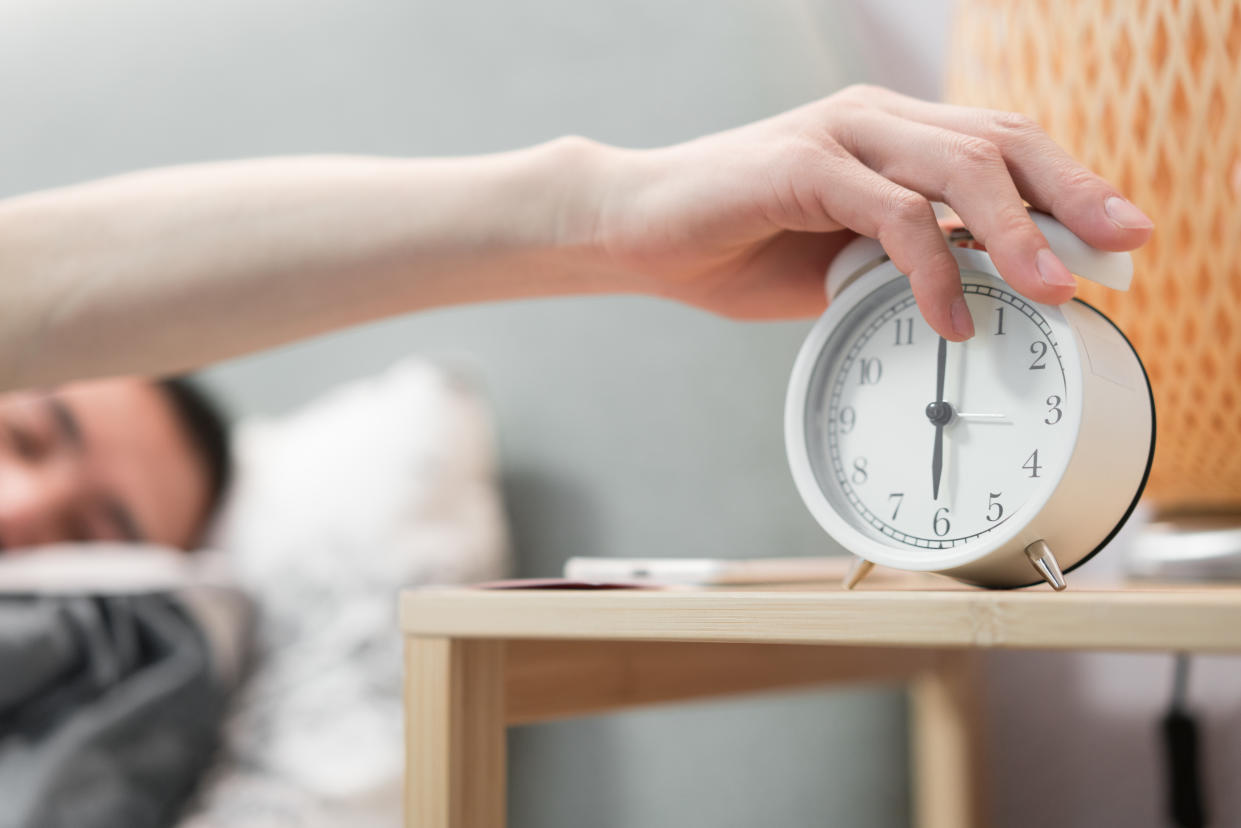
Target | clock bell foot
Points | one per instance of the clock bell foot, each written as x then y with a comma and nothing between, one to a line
1040,555
858,570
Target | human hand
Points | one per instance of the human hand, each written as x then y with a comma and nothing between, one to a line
745,222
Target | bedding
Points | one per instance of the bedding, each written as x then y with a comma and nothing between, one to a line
116,663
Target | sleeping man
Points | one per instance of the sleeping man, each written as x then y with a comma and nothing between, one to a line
165,271
110,698
123,625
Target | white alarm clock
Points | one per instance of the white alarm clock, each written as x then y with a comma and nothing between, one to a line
1002,461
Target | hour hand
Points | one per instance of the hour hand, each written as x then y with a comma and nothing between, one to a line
937,461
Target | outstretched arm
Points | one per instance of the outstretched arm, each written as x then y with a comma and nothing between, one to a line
168,270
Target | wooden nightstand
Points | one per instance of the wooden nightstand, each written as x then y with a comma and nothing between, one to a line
478,661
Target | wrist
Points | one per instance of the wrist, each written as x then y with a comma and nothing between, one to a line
517,224
631,214
590,187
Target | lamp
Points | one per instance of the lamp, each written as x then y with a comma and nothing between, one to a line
1149,95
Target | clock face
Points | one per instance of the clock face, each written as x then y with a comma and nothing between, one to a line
916,469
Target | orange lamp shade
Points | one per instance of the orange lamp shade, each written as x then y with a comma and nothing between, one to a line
1148,94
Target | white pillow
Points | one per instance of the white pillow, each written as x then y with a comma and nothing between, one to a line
387,482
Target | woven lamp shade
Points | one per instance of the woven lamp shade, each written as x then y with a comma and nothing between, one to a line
1148,94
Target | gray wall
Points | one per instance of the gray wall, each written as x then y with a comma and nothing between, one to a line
628,426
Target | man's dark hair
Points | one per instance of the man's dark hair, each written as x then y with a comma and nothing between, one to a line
204,423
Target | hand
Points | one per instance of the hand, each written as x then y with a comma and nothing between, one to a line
745,222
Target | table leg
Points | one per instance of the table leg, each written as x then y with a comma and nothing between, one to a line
946,744
454,733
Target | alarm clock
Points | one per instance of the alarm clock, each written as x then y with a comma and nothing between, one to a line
1003,461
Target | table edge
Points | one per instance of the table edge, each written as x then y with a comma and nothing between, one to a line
1202,619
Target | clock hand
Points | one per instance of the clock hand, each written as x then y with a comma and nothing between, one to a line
941,361
939,413
961,415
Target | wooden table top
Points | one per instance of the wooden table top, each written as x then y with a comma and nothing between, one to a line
923,613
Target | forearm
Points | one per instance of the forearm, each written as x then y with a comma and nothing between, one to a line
168,270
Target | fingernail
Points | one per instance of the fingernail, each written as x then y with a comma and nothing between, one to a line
962,322
1052,270
1126,214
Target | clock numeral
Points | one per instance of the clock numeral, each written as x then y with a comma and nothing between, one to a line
848,419
869,371
899,497
1053,410
999,321
860,475
1032,464
1039,348
995,510
941,525
904,331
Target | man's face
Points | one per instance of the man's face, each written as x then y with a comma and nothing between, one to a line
98,460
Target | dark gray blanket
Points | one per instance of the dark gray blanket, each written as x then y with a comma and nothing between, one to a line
109,710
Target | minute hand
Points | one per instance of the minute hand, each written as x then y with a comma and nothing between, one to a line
937,456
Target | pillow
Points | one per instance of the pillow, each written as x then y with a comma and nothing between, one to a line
387,482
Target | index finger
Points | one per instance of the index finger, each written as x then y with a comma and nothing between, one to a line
1044,172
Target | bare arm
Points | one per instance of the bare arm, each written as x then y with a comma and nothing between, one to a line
169,270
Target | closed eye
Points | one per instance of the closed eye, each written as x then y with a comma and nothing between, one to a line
23,442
